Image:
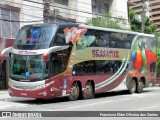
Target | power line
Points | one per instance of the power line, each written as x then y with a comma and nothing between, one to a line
21,14
69,9
20,21
58,7
43,9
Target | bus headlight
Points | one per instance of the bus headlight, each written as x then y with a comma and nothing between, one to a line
43,93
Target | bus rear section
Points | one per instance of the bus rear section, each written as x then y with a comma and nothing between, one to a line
113,60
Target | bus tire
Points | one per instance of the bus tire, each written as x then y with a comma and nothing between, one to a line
39,99
140,86
88,92
132,86
74,92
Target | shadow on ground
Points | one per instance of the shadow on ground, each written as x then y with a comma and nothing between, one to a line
65,99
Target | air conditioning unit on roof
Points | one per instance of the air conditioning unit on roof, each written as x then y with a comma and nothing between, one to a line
56,11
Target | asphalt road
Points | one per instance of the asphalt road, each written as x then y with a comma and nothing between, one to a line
149,100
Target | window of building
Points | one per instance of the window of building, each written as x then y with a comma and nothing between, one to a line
154,21
137,8
99,7
9,28
157,9
138,2
156,15
155,4
63,2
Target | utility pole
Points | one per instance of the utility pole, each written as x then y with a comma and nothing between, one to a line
143,16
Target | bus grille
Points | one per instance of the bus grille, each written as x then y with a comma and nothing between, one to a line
25,87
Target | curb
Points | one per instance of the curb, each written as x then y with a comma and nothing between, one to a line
157,85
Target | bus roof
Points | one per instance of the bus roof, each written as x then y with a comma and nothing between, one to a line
116,30
105,29
96,28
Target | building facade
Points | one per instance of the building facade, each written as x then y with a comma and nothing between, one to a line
14,14
152,9
81,11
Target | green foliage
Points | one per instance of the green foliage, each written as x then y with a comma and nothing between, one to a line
132,14
157,34
148,21
154,27
137,25
108,21
147,29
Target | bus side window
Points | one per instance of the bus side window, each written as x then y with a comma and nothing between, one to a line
84,68
152,67
127,40
103,67
16,67
91,32
102,38
59,61
56,66
60,38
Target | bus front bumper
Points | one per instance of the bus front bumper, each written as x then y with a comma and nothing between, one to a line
43,93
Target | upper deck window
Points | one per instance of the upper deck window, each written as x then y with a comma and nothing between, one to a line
35,37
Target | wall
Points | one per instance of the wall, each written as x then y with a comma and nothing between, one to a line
31,12
86,7
119,8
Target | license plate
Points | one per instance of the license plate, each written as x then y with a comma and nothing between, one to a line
24,94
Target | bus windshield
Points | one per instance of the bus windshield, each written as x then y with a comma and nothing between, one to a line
35,37
28,67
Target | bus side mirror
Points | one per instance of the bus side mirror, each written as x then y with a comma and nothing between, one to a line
45,57
3,52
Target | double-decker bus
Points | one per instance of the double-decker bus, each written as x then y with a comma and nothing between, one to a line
74,60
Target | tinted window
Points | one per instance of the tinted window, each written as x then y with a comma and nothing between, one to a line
152,67
35,37
96,67
111,39
59,61
60,38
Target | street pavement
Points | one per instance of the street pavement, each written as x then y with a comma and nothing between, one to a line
149,100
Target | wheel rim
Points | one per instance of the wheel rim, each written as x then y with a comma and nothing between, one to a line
141,85
133,86
75,91
88,91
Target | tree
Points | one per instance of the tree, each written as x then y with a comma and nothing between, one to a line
108,21
137,25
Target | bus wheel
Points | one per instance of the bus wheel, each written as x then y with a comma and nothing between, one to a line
132,86
74,92
39,99
140,86
88,91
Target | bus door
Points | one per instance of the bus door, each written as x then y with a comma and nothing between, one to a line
3,75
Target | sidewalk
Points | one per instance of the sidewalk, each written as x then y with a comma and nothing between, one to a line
4,94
